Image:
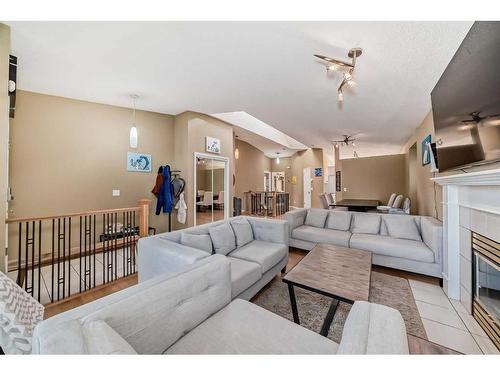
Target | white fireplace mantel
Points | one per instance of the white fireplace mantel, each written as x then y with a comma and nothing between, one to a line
477,192
482,178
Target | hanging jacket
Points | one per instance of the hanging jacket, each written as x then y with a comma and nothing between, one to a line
165,196
181,208
158,183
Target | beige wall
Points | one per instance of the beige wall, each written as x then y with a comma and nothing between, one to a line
374,177
4,134
191,129
67,156
312,158
249,169
428,194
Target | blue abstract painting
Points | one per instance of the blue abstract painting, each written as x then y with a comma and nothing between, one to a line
137,162
426,157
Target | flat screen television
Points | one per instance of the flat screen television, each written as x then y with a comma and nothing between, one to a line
466,101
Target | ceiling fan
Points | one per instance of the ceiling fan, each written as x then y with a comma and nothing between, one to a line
347,141
346,68
477,119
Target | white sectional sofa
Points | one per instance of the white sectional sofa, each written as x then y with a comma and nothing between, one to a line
406,242
257,249
190,312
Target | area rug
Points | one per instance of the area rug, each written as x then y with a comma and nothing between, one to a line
384,289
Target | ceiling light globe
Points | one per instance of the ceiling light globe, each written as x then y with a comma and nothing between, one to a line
340,97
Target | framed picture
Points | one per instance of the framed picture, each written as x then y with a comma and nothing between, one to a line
213,145
426,157
318,172
137,162
338,182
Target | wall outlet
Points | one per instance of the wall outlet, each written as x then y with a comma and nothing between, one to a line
115,193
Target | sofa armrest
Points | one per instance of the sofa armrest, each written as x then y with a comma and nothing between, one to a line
269,230
157,256
432,235
295,218
373,329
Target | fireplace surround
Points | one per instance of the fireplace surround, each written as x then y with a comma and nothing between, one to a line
471,216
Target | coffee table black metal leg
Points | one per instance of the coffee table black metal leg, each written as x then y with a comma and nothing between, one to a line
293,302
329,318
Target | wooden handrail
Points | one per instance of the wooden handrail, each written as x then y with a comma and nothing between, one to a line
84,213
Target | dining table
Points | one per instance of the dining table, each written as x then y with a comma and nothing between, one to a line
359,205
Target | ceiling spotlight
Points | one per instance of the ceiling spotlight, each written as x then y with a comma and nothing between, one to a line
351,83
340,96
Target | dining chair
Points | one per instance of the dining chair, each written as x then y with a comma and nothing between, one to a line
397,201
219,202
207,200
324,201
389,203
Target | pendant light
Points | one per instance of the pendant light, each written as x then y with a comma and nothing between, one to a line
133,130
277,158
236,153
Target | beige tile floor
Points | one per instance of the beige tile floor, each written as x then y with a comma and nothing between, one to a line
447,323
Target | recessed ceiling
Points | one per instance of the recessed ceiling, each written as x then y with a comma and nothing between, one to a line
266,69
261,135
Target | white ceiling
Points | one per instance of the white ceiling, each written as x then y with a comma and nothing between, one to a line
266,69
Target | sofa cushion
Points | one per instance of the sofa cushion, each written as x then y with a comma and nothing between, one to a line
223,238
365,223
373,329
339,220
243,231
394,247
243,275
100,338
266,254
245,328
198,241
402,226
316,217
321,235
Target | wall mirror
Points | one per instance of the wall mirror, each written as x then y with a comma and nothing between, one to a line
211,192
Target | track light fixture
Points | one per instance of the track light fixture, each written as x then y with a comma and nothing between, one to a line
346,68
348,140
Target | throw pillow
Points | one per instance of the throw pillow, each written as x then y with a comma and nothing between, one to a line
339,220
243,231
198,241
402,226
19,314
366,223
223,238
316,217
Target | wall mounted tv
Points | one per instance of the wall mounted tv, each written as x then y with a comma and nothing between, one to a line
466,101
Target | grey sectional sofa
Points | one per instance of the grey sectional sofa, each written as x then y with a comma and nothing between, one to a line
406,242
257,249
190,312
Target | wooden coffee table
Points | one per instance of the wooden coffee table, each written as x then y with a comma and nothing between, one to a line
333,271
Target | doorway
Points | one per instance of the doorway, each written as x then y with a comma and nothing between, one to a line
211,188
307,187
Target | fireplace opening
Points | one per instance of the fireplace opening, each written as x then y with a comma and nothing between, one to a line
486,285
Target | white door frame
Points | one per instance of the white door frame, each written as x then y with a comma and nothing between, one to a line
225,160
307,191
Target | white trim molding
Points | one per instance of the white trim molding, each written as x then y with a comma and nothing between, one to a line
489,177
